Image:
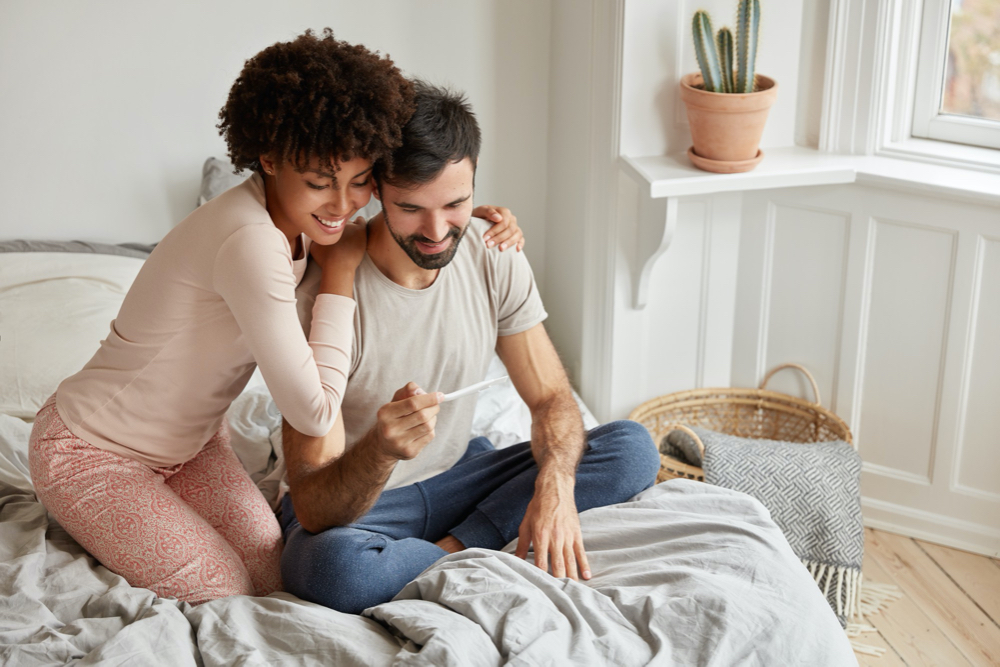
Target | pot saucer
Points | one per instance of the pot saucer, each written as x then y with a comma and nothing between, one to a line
724,166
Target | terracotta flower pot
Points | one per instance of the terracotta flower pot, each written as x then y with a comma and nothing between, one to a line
726,127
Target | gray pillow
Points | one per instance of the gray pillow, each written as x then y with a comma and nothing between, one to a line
216,177
680,445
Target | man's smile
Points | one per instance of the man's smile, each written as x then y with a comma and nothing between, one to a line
433,248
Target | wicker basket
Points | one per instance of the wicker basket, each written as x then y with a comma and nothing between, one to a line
747,413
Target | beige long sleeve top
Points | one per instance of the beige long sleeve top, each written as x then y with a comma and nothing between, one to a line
215,299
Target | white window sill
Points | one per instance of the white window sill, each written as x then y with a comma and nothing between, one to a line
674,175
969,158
663,179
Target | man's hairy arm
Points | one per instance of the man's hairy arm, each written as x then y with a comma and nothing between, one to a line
551,522
333,487
330,486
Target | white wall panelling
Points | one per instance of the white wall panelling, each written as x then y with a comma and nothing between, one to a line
879,275
892,302
977,464
802,290
791,294
907,325
683,337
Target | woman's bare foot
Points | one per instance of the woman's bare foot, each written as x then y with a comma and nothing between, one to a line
450,544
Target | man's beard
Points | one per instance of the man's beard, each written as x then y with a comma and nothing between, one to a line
421,259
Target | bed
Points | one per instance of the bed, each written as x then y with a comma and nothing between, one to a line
685,573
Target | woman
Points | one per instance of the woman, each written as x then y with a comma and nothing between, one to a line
131,454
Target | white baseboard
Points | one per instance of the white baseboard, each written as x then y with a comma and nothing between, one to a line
931,527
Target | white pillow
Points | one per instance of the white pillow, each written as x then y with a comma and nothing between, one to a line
503,418
55,309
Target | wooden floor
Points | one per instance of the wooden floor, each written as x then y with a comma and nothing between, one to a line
950,612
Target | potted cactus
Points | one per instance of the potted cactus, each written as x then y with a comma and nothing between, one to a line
727,102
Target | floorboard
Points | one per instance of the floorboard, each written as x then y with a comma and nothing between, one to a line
889,659
911,634
947,605
950,610
974,574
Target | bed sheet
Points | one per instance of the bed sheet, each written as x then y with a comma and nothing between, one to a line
685,574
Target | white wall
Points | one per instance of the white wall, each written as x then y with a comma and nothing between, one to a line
658,50
812,72
683,338
108,108
568,170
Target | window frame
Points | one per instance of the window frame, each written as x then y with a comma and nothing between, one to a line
928,121
870,82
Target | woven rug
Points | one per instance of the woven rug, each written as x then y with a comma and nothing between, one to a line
813,492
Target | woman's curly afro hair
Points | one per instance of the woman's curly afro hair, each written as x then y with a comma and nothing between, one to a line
315,97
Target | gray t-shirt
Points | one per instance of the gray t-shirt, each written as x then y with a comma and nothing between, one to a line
441,337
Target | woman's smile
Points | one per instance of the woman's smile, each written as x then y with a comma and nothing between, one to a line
331,225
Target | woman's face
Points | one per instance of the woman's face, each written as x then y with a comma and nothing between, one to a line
314,201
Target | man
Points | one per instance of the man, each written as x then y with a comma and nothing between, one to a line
394,488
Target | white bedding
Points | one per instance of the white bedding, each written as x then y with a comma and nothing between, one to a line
685,574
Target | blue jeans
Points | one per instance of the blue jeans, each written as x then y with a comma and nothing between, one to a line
481,501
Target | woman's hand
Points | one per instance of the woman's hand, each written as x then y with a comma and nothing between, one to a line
504,233
346,253
340,260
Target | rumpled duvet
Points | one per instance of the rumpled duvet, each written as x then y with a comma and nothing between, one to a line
684,574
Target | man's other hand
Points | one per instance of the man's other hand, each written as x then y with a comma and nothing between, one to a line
406,425
552,525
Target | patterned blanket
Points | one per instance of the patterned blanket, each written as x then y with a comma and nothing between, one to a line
813,492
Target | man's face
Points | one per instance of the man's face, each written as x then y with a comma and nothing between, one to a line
428,221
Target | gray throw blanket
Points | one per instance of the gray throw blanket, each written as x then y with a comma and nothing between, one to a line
813,492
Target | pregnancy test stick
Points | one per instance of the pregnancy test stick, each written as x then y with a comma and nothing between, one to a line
473,389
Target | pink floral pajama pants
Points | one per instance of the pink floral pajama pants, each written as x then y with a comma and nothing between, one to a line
196,531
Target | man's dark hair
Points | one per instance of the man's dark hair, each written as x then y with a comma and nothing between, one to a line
443,129
315,97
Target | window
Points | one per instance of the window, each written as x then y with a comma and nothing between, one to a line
958,73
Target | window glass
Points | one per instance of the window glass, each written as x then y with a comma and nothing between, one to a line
972,70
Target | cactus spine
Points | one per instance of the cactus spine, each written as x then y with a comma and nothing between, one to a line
725,43
747,29
715,55
704,48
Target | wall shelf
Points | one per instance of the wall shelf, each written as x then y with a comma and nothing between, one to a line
675,176
662,179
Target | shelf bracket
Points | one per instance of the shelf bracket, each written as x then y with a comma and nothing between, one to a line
656,223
